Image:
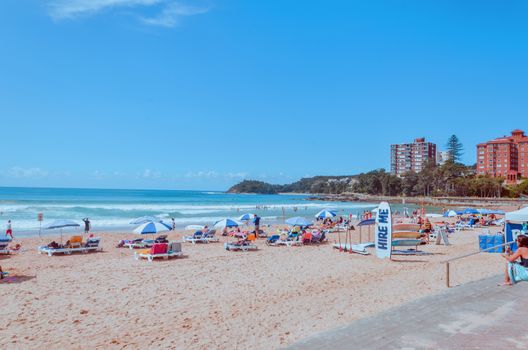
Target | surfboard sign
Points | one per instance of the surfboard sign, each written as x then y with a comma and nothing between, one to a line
383,236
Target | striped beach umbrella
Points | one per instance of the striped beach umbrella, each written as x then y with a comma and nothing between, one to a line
150,228
323,214
227,223
246,217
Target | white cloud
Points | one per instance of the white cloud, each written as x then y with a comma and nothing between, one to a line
169,11
19,172
171,14
150,174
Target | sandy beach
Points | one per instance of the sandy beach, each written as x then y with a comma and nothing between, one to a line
212,298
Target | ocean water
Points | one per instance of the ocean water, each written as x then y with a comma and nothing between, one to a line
114,209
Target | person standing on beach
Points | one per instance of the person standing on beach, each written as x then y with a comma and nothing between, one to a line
9,229
86,225
173,224
256,221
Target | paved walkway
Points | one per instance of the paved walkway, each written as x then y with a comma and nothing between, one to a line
479,315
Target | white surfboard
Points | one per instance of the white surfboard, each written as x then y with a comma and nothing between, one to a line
355,248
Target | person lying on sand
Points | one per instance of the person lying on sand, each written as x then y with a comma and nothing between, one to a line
517,271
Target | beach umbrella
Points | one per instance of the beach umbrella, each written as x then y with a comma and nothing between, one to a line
227,223
61,224
323,214
450,214
246,217
470,211
144,219
367,222
298,221
151,227
484,211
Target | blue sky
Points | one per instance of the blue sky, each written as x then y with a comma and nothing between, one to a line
201,94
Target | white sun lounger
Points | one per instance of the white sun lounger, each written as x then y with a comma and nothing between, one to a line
146,243
174,250
287,243
208,237
92,245
241,247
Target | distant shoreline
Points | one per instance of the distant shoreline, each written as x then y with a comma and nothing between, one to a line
507,203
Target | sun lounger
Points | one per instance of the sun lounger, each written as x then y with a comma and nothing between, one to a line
4,248
195,238
242,246
161,239
200,237
75,242
276,240
93,244
160,250
139,243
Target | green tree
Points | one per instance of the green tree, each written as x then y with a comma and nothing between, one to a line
454,149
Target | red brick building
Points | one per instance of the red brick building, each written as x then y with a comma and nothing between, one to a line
505,157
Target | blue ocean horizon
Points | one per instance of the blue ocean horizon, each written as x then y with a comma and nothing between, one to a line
113,209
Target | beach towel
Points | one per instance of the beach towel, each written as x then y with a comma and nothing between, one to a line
517,272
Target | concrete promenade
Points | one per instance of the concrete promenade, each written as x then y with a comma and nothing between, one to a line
478,315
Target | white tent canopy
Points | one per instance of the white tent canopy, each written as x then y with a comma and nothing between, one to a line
518,216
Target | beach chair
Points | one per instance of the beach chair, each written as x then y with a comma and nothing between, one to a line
91,245
210,237
195,238
240,246
139,244
279,240
4,248
75,242
160,250
161,239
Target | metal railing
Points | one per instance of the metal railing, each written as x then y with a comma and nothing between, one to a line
446,262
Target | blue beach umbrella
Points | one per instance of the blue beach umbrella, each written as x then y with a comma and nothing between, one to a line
151,227
323,214
246,217
227,223
470,211
298,221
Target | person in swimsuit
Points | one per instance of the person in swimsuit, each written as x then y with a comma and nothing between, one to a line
521,253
